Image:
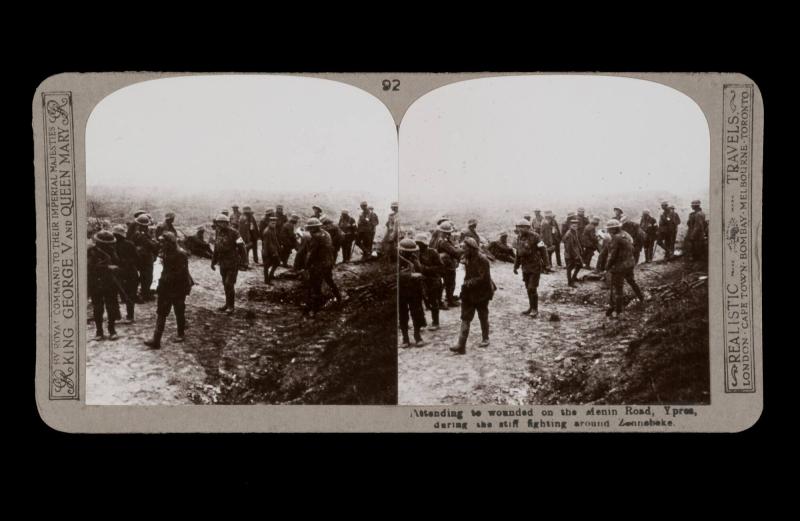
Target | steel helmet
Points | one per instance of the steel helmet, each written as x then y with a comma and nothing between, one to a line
446,227
422,237
313,223
525,223
408,245
105,237
612,223
222,218
119,229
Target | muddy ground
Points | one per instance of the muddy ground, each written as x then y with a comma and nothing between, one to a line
657,352
267,352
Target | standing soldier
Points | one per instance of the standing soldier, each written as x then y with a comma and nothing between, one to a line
589,242
366,231
471,231
128,275
248,231
476,292
173,286
632,228
620,265
410,292
318,261
432,268
537,222
336,235
557,238
531,261
583,221
389,243
235,217
270,251
288,239
696,234
572,252
618,213
347,225
264,222
282,217
677,220
649,226
226,256
666,223
450,255
133,225
166,226
501,250
551,236
565,225
147,251
317,212
102,266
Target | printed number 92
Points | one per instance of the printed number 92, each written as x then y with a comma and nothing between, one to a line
393,85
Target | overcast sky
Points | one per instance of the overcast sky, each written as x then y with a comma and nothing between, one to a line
558,136
244,132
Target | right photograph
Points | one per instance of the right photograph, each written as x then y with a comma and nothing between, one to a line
553,244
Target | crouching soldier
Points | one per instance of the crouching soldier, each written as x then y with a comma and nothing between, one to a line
501,250
410,293
532,265
620,264
173,286
319,263
197,245
128,276
270,251
432,268
102,268
226,255
476,292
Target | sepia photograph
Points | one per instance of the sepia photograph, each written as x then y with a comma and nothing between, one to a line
240,243
553,244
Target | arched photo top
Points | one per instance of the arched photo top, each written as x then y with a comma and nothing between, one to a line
245,133
553,137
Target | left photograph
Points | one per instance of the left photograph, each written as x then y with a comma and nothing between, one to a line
241,244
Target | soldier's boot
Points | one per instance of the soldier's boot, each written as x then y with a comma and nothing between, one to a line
637,291
484,332
434,319
443,305
461,347
112,330
155,342
419,342
99,330
181,323
533,298
406,340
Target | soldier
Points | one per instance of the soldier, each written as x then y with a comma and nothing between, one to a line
264,222
166,226
248,231
235,217
318,261
450,255
432,268
667,228
227,257
174,285
336,235
147,251
132,225
389,242
128,274
649,226
347,225
102,267
556,231
633,229
317,212
697,233
282,217
589,242
270,251
288,239
196,244
410,292
551,236
565,226
366,231
618,213
677,220
532,265
582,221
501,249
476,292
537,221
620,265
573,252
471,231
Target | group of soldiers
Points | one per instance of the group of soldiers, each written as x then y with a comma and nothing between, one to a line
121,261
429,262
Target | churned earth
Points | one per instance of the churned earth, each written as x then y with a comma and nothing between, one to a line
267,352
656,352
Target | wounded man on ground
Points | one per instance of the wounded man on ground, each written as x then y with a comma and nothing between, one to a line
501,249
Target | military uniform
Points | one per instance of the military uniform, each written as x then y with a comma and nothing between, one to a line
476,292
270,252
287,240
347,225
248,230
583,222
226,256
529,258
668,230
319,263
147,251
588,244
389,242
165,227
128,274
649,226
450,256
235,219
502,251
367,222
620,264
432,269
196,245
696,234
102,289
173,287
551,236
336,238
573,254
410,295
